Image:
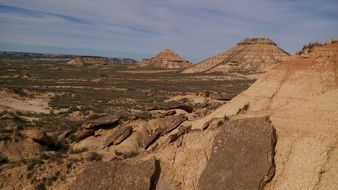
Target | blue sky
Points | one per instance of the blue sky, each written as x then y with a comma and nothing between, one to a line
196,29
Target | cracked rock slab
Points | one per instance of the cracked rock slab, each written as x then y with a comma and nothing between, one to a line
119,135
116,175
242,156
102,122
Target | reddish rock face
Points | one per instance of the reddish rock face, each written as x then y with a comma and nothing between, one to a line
166,59
242,156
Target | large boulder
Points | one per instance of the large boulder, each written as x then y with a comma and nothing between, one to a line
241,157
119,175
183,157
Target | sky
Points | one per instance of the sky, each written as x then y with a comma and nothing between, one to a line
195,29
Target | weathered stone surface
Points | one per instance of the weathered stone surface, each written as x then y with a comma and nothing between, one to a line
167,113
181,131
34,134
119,175
214,123
119,135
102,122
82,134
183,160
173,121
164,125
164,185
242,156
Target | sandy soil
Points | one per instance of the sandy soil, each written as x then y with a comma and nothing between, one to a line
38,104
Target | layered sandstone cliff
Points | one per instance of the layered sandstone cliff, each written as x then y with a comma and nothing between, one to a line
252,54
166,59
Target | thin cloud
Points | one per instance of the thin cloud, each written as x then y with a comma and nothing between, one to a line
196,29
40,14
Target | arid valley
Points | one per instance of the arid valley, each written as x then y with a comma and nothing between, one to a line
251,117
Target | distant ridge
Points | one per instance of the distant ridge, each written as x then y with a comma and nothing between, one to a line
97,60
166,59
72,59
251,54
9,55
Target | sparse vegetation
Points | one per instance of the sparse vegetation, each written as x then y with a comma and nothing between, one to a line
308,47
80,94
19,91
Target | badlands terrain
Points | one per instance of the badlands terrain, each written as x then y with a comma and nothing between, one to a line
252,117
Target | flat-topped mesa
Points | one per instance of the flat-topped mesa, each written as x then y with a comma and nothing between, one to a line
256,41
251,54
166,59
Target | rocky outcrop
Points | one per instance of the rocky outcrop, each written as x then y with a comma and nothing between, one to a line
119,135
307,48
183,159
242,156
252,54
116,175
300,96
167,59
296,80
102,122
126,139
234,147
